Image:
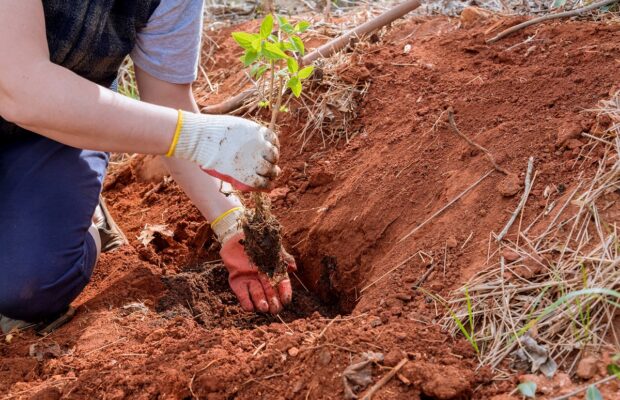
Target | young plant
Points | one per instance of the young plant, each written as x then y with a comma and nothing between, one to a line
276,51
273,56
470,334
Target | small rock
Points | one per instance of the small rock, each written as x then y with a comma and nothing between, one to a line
573,144
509,186
407,49
510,255
364,74
321,178
393,357
471,15
528,270
403,297
452,242
325,357
587,367
279,193
400,335
293,351
568,130
375,322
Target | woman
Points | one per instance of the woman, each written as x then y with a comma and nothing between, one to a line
59,120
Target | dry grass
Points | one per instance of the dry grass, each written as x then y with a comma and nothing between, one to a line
577,249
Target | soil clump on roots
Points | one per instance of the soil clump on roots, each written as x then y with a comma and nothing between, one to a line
158,319
263,239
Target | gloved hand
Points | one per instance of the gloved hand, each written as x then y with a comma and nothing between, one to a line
252,288
236,150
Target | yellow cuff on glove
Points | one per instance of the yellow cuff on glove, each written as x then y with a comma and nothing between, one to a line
227,224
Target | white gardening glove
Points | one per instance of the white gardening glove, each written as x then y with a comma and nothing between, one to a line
233,149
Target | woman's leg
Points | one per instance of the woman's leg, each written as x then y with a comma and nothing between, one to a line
48,193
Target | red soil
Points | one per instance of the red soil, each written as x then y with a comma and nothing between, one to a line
345,209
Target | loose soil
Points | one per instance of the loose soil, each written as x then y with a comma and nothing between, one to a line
159,321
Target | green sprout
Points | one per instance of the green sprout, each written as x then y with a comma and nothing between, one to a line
469,334
276,50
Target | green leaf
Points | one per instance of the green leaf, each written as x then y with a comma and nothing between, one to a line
302,26
558,3
298,45
295,85
273,51
306,72
283,109
282,20
288,28
293,67
258,70
263,103
614,369
593,393
266,27
249,57
527,389
245,40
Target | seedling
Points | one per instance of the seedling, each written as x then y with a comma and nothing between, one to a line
278,55
470,334
274,52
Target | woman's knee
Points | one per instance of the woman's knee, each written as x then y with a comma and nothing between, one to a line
35,286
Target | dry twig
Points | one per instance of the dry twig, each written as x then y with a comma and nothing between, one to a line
577,250
565,14
526,193
474,144
385,379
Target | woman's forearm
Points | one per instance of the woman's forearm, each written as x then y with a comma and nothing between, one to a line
59,104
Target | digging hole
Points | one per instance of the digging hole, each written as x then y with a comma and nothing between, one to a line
202,292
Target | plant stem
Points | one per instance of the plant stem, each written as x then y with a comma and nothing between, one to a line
276,110
272,83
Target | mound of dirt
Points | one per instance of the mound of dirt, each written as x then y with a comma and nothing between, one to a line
158,320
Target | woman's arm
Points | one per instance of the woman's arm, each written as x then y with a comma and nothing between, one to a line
202,189
53,101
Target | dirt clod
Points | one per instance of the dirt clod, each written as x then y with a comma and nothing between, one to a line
510,255
263,239
325,357
587,367
293,352
509,186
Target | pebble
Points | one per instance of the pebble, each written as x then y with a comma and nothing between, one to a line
510,255
452,242
325,357
393,357
568,130
400,335
375,322
293,351
587,367
509,186
403,297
